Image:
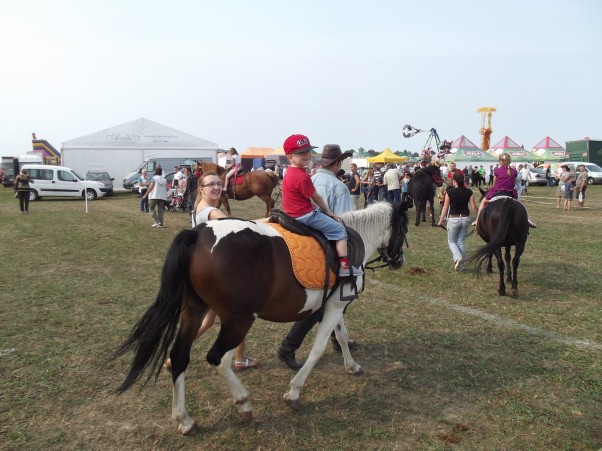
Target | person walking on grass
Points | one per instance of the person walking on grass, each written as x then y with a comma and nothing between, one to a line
455,210
157,193
206,208
581,186
22,182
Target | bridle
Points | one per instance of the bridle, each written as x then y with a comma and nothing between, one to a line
393,253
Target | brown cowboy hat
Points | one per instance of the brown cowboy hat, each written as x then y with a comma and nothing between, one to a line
332,153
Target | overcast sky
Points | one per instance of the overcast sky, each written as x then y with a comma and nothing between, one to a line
250,73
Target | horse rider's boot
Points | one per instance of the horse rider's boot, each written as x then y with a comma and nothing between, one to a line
532,224
288,358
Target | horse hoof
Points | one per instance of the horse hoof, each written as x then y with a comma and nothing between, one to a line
434,225
246,417
515,293
195,429
292,403
356,371
501,293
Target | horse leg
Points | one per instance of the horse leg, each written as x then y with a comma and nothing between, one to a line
423,210
190,322
333,313
490,264
500,266
224,200
232,332
343,339
508,259
269,204
240,394
418,206
519,247
432,203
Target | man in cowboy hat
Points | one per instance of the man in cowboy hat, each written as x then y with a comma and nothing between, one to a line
334,192
338,198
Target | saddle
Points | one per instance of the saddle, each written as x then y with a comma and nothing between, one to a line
314,258
236,179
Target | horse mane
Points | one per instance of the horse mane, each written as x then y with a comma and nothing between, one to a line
369,219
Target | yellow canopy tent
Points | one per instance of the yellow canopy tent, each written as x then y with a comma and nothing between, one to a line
387,157
257,152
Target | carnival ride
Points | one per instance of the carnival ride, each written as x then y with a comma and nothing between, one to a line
486,132
427,150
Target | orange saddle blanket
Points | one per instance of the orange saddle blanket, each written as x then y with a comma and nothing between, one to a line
308,258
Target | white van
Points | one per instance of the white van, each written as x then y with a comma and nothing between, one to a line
61,182
594,172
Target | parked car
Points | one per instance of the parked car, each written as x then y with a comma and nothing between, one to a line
8,179
102,177
537,176
61,181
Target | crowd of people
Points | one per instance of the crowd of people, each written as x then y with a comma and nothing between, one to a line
318,195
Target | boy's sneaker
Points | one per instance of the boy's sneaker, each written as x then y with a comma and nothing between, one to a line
345,271
532,224
155,225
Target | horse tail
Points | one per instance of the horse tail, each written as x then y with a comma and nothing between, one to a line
497,237
155,331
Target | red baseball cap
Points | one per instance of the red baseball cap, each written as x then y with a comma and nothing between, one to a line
296,144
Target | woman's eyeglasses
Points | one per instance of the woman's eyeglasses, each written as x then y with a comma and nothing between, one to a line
214,185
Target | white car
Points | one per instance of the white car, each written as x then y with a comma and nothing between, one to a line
60,181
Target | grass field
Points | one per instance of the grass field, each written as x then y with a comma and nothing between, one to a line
448,364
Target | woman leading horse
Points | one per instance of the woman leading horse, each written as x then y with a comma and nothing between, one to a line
265,287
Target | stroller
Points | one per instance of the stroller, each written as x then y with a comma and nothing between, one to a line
177,201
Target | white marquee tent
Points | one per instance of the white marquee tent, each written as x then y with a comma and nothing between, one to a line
121,149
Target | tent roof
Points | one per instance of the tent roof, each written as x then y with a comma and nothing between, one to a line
140,134
506,143
463,142
549,150
387,157
547,143
257,152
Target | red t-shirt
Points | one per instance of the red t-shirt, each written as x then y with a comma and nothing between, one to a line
297,189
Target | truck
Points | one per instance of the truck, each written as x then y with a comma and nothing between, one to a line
166,163
12,165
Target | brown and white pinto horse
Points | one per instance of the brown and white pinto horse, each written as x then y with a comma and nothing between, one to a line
265,287
245,186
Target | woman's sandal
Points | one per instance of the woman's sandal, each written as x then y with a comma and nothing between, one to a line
248,362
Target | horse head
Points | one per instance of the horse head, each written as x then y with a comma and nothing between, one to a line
433,171
392,255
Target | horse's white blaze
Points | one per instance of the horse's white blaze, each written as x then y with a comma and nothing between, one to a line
223,228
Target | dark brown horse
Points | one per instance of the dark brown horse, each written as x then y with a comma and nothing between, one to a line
245,186
422,191
264,286
502,224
